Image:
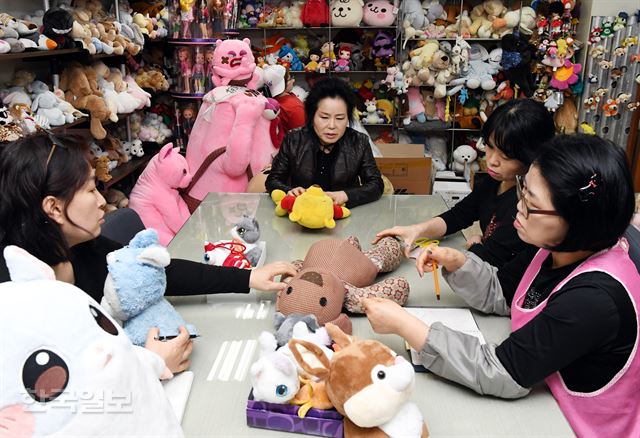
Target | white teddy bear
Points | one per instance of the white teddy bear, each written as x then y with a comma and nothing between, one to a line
464,160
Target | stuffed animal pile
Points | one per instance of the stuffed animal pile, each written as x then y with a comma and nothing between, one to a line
68,369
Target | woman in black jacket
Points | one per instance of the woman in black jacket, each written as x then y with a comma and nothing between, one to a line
327,152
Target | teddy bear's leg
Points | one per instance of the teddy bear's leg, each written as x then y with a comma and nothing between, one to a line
386,254
393,288
353,240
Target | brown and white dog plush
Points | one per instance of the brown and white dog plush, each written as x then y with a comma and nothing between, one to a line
368,383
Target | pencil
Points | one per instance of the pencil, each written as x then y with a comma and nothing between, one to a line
435,278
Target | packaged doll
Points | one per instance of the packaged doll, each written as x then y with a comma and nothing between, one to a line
203,19
199,72
185,66
186,16
209,69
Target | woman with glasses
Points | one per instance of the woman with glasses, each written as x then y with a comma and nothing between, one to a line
51,208
574,298
512,135
327,152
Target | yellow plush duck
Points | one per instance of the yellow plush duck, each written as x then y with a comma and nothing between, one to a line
313,209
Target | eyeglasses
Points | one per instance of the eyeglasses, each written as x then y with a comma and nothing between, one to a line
520,189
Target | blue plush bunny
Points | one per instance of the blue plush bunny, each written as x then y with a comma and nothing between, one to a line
134,289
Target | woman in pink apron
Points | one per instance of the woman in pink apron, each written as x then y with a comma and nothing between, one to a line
573,300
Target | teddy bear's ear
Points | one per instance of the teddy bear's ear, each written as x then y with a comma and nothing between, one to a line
155,255
246,41
321,371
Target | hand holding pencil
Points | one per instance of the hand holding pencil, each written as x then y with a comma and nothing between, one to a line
432,256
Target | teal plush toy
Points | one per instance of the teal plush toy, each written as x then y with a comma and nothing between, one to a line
134,289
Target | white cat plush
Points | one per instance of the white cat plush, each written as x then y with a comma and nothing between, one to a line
67,368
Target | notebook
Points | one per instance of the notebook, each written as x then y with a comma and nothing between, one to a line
177,391
459,319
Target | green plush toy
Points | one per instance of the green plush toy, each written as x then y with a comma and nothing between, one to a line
312,209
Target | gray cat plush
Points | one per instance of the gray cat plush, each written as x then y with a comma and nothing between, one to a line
247,231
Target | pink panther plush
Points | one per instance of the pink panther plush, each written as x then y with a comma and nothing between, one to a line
235,117
155,196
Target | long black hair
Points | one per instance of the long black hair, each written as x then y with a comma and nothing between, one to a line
591,187
330,87
31,169
519,128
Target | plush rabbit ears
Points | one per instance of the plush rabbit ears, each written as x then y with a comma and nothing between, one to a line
23,266
298,346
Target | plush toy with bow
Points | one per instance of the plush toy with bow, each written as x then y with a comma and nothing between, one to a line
312,209
155,196
336,274
63,357
368,383
243,251
134,289
241,119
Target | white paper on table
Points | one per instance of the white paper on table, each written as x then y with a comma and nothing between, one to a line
459,319
177,391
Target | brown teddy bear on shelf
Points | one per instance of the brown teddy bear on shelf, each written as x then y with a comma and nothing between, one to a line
336,274
115,200
114,149
81,90
101,165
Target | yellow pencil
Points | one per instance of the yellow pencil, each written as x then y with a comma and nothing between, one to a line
435,278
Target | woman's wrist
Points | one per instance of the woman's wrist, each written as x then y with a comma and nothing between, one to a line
414,331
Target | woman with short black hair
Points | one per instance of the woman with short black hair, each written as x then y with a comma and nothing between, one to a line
574,299
327,152
512,134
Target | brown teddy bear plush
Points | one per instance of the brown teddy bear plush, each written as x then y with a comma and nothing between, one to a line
101,165
115,200
336,273
114,149
81,91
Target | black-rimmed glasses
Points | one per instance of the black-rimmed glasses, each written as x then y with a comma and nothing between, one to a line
520,189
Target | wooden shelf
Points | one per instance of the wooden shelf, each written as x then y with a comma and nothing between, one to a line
126,169
44,54
242,29
339,72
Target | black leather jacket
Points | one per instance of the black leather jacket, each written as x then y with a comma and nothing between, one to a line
354,169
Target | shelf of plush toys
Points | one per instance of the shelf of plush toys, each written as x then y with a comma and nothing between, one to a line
462,59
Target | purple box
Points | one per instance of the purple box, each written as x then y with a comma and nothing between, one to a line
285,417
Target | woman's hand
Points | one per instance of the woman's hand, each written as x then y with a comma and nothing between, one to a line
297,191
387,317
476,239
408,234
175,352
339,198
449,258
263,278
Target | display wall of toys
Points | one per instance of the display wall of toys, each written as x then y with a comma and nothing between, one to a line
461,59
613,71
90,80
352,40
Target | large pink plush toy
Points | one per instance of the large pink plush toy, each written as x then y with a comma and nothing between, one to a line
235,117
155,196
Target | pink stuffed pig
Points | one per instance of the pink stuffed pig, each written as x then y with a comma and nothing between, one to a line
155,196
235,117
379,13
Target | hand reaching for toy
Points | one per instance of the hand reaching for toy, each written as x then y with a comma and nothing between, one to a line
408,234
175,352
476,239
449,258
296,191
339,198
263,278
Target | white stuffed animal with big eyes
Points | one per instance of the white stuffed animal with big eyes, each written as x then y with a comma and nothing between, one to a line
274,376
346,13
67,368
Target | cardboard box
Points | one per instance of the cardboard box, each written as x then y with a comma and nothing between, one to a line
284,417
452,189
406,167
